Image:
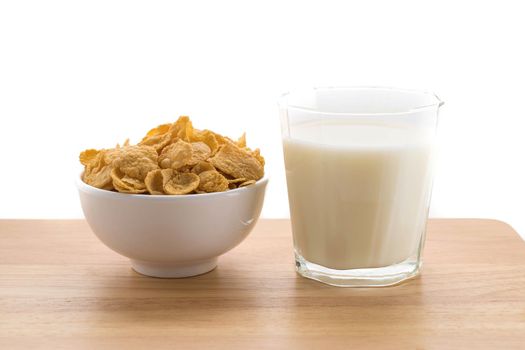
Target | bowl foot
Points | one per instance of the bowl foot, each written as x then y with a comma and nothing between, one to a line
174,270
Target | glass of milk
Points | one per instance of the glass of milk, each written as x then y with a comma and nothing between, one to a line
359,164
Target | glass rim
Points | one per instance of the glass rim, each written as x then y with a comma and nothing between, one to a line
282,102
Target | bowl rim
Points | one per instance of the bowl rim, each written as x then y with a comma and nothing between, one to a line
82,186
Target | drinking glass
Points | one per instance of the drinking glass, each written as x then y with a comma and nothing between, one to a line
359,164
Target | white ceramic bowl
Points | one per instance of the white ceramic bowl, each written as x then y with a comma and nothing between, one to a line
172,236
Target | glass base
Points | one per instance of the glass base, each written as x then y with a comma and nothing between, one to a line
372,277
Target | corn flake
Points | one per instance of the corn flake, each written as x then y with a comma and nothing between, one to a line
212,181
208,137
236,162
247,183
237,181
154,182
183,128
179,183
201,167
201,152
257,154
126,184
97,172
176,155
241,142
158,137
88,155
136,161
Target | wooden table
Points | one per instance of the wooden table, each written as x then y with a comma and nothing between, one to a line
61,288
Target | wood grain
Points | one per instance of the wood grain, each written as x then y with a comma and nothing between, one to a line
61,288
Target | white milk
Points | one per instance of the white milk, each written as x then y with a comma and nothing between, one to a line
359,193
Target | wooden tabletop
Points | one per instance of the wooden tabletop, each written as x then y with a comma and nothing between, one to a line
61,288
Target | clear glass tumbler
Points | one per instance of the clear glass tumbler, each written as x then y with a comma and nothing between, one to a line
359,164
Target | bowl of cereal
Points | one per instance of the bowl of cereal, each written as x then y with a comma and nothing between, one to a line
174,202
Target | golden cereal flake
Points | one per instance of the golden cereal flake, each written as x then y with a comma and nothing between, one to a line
176,155
136,161
88,155
257,154
241,142
126,143
183,129
97,172
154,183
158,142
207,137
176,183
158,137
126,184
159,130
201,167
201,152
212,181
185,169
110,155
247,183
222,140
237,181
237,163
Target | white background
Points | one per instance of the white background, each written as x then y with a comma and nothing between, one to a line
76,75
